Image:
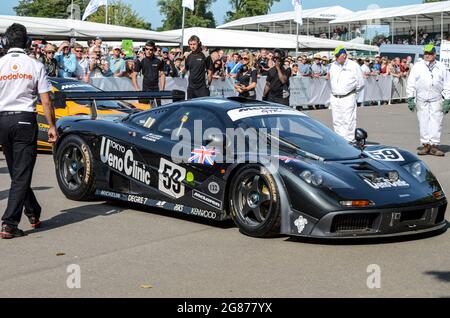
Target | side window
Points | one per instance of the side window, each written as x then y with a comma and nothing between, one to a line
149,119
189,118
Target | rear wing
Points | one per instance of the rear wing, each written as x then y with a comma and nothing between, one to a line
59,98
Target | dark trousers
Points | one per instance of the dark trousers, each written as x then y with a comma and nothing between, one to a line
278,100
154,89
197,92
18,137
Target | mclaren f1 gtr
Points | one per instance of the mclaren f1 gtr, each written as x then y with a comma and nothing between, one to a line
271,169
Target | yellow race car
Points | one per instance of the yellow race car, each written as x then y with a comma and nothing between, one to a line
71,108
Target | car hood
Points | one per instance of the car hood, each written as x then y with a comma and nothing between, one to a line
364,178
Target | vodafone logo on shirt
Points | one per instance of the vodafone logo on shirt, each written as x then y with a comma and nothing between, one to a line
15,68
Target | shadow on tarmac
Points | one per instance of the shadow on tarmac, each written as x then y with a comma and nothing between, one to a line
75,215
5,193
82,213
440,275
180,216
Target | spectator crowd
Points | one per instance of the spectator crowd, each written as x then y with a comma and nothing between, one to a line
96,60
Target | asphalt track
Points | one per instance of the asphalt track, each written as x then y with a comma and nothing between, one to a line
121,249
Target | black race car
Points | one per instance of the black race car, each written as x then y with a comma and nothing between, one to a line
270,168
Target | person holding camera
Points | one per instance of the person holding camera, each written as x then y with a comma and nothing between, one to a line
247,78
22,79
97,64
277,84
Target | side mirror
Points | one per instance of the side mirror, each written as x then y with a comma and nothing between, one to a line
178,95
58,101
360,137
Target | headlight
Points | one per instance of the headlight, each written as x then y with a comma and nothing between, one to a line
322,179
418,170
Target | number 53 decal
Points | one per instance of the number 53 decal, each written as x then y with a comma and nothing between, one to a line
170,178
386,155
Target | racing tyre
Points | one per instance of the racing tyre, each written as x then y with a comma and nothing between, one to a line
254,202
75,169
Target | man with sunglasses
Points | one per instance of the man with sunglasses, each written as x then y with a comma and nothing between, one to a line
200,70
428,91
67,63
82,71
152,69
50,63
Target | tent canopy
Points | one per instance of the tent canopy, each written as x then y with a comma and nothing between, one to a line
314,20
248,39
424,12
64,28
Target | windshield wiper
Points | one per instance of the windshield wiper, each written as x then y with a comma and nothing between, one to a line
296,150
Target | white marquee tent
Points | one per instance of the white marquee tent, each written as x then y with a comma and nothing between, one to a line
314,21
432,17
248,39
65,28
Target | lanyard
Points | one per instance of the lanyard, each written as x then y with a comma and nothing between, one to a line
431,67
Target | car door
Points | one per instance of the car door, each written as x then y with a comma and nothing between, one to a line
169,146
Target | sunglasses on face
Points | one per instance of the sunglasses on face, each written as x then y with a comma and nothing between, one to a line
148,49
50,52
79,51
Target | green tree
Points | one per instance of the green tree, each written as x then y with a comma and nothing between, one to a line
119,12
248,8
47,8
172,10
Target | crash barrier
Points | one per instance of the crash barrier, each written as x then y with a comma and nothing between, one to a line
399,88
303,91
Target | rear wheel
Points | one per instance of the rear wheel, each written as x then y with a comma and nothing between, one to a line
254,202
75,169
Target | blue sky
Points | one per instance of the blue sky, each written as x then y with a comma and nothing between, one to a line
149,10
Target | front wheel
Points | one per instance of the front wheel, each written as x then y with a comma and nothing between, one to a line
75,169
254,202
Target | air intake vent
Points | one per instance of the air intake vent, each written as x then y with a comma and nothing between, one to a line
441,214
412,215
357,222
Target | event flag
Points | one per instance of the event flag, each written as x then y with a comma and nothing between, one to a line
92,7
188,4
298,11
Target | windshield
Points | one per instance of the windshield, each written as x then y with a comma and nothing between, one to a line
306,133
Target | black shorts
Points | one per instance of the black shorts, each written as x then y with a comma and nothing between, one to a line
150,89
278,100
198,92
